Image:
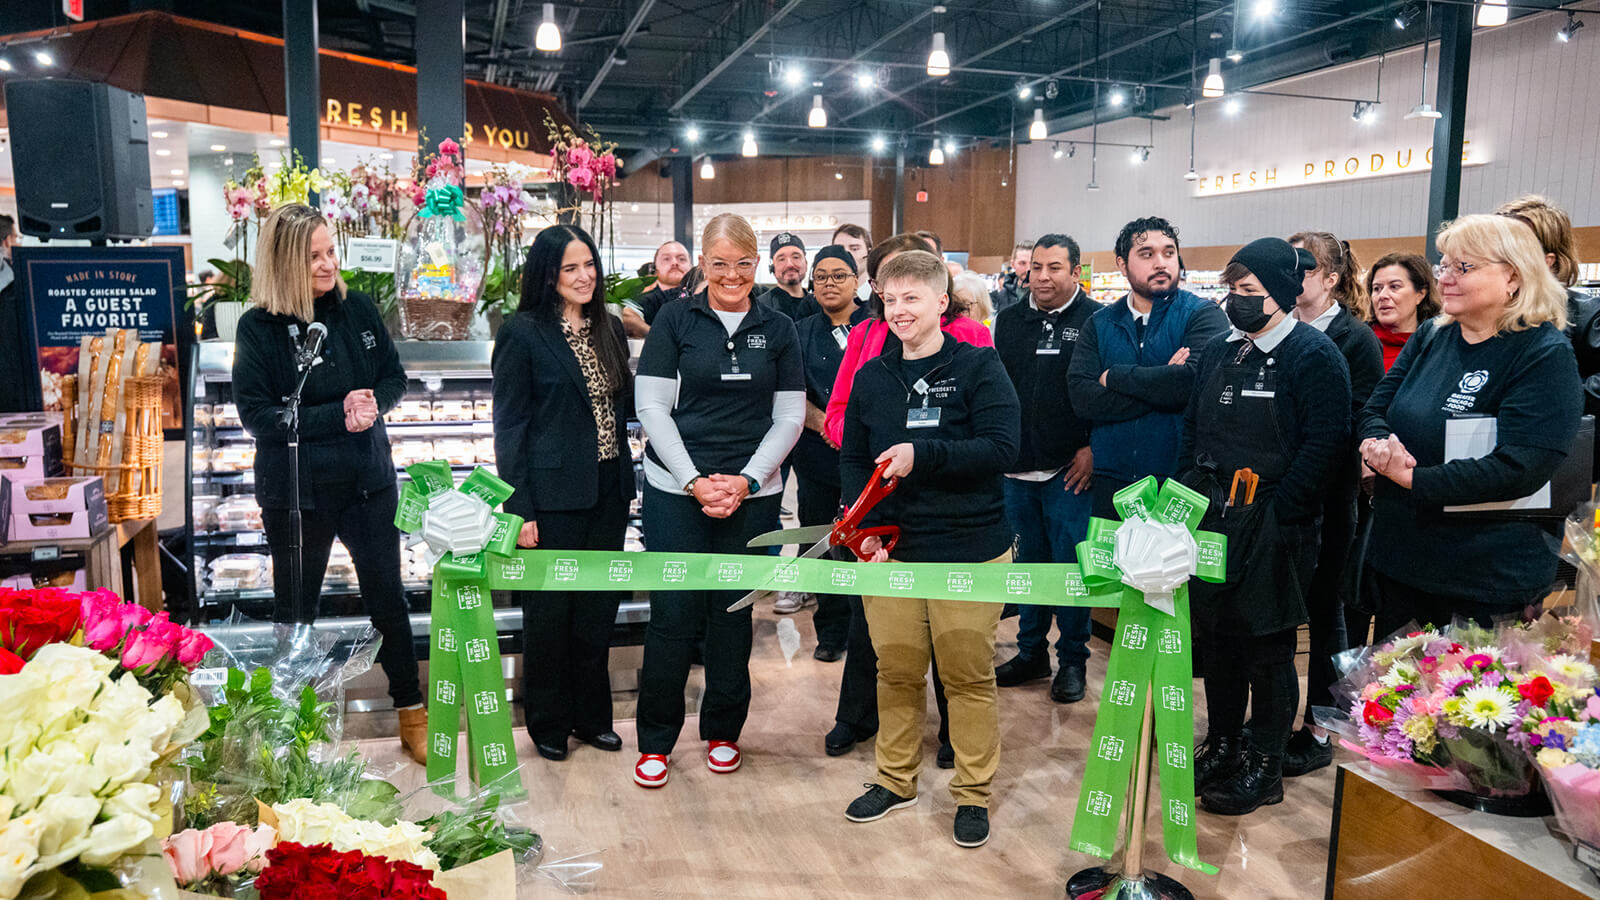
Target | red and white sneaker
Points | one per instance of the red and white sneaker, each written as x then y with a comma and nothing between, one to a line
723,757
651,770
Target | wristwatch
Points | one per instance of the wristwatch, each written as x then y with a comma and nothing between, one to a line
755,485
689,488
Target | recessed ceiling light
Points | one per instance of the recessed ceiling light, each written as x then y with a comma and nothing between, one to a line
177,171
276,142
386,156
328,160
158,135
163,152
177,182
218,148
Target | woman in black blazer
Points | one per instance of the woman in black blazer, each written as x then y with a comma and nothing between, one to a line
562,397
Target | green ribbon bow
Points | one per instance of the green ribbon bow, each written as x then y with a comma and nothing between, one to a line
445,202
1152,653
464,650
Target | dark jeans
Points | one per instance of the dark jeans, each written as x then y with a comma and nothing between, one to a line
674,523
819,505
365,523
1105,488
1256,672
566,635
1049,521
1324,602
1400,603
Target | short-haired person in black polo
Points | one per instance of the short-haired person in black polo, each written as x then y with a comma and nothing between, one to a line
816,465
721,395
1048,495
790,297
944,417
671,265
1271,396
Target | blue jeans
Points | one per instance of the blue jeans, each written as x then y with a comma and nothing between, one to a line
1049,521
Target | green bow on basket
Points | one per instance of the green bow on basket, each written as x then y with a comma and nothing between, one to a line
462,532
445,202
1147,557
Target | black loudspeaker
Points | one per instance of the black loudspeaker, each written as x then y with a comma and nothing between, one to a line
80,157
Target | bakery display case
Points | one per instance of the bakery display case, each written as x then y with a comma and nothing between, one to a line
447,414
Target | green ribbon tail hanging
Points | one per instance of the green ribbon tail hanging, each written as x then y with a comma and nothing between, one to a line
1173,673
444,690
1114,745
493,754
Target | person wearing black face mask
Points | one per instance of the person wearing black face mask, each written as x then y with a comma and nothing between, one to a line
1271,396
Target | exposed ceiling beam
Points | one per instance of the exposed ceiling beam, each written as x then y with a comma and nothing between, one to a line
611,58
727,61
501,7
1019,36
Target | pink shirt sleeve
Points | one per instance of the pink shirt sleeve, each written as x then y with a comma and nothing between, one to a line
833,416
969,331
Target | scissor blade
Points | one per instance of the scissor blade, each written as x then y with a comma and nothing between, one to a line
812,552
791,536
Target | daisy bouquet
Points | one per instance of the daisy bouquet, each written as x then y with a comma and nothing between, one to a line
1562,735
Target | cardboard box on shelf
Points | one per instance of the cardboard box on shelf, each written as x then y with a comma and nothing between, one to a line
30,447
57,495
85,520
56,526
72,580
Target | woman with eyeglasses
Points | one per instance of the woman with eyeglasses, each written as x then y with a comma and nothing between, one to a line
1497,354
721,395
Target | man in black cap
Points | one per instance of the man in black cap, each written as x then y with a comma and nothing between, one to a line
790,297
1268,424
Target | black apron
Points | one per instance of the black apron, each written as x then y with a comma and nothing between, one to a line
1269,564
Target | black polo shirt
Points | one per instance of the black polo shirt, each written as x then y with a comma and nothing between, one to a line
796,308
822,347
650,302
726,382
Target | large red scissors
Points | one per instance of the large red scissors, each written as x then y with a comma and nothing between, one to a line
846,531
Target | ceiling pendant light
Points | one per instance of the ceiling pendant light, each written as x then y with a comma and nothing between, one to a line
819,116
748,148
939,57
708,172
1038,131
936,155
1425,110
1191,175
1491,13
1212,87
548,37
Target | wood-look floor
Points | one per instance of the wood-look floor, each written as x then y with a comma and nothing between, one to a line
776,828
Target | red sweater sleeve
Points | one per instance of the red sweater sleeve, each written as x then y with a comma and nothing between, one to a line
969,331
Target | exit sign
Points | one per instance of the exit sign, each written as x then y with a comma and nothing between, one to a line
73,9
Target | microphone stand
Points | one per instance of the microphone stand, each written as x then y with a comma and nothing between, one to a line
289,420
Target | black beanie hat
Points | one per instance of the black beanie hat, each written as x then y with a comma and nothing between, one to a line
834,251
785,239
1278,266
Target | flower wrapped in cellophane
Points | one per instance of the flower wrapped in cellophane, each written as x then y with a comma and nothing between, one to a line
439,268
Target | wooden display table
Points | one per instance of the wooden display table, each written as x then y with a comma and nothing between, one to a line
102,559
1387,844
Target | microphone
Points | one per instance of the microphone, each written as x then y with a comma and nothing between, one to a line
315,336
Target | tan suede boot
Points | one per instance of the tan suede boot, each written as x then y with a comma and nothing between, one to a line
414,733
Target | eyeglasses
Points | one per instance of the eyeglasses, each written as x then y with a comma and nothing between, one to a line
720,268
1459,269
835,278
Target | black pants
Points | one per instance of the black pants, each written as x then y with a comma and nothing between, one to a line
566,635
1400,603
1254,671
858,684
365,523
674,523
1323,599
819,505
1105,487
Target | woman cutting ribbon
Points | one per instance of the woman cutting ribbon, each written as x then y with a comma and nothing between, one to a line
944,418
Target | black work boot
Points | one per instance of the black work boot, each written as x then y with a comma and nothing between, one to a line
1216,758
1258,782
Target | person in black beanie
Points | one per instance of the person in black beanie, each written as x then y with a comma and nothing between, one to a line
1271,396
790,297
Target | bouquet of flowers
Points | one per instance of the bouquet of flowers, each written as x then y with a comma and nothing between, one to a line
219,858
79,750
504,202
1451,709
300,872
160,652
1582,548
589,167
440,263
1562,734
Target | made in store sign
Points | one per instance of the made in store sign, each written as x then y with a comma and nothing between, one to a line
1327,169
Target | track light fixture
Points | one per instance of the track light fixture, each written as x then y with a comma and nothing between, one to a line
1139,95
1072,150
1365,112
1406,17
1055,150
1024,89
879,144
1234,54
1569,29
1117,97
1052,89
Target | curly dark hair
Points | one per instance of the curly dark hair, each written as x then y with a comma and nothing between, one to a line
1130,231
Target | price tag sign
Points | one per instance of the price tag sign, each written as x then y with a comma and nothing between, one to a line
50,553
371,254
250,539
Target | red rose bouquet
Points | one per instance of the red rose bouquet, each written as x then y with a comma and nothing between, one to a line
298,872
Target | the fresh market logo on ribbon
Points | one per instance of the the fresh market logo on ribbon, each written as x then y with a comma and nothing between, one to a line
464,534
1143,564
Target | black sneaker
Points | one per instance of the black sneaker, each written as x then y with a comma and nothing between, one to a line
1305,753
947,757
1018,670
1068,686
1256,783
1216,759
878,802
972,826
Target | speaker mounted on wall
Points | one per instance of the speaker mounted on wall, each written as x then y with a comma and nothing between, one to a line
80,160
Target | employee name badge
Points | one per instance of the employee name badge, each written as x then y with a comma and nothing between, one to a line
841,336
922,416
730,367
1049,342
1262,384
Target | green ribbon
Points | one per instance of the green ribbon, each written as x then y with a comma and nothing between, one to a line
1152,653
464,667
444,202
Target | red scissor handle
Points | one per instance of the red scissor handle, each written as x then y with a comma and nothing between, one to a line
847,530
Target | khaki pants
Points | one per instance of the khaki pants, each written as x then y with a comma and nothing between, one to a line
905,632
